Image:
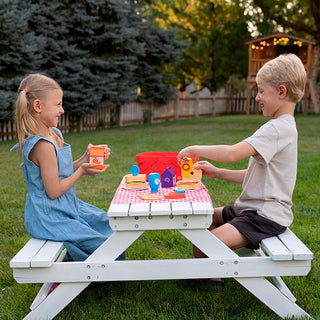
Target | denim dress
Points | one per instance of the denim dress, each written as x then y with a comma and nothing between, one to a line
81,226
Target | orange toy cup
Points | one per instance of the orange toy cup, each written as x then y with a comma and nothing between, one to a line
188,171
97,157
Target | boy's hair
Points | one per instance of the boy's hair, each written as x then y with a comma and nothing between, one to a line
34,86
287,70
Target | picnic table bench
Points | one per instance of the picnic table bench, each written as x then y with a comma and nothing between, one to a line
40,261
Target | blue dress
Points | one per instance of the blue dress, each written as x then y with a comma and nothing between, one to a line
81,226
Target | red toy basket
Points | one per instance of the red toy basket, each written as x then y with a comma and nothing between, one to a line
158,162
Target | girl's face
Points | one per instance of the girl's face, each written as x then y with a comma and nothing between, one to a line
269,99
51,108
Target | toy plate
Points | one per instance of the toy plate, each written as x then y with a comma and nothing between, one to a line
134,189
193,189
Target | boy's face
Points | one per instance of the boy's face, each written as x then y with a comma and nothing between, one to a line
269,99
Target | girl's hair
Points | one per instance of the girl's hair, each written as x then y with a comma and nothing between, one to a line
287,70
34,86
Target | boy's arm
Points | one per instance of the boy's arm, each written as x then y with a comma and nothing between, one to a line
219,153
236,176
212,171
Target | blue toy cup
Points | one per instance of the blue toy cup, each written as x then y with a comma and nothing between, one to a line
154,182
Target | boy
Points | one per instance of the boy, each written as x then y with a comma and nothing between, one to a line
264,207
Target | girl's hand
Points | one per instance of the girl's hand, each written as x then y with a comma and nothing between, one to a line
86,156
89,171
207,168
106,150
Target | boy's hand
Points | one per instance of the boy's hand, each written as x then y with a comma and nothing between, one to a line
207,168
185,153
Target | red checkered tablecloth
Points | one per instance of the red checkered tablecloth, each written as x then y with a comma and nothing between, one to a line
123,195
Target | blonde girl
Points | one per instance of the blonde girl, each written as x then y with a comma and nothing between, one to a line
53,210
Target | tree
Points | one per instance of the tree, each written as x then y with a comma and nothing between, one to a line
13,46
216,32
97,50
301,16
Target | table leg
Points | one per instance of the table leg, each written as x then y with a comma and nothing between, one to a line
259,287
266,292
115,245
208,243
56,301
66,292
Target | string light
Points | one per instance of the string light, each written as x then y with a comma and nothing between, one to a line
284,41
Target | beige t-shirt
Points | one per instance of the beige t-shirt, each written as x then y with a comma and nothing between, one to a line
271,175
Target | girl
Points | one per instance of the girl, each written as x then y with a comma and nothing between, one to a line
52,209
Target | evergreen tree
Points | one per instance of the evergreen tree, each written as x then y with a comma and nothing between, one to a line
97,50
17,54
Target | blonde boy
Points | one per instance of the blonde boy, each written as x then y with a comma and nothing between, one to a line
264,207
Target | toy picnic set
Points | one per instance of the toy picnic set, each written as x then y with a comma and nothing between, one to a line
161,170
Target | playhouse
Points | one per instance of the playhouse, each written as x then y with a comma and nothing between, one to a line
268,47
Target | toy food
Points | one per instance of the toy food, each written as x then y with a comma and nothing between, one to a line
188,185
149,196
136,182
189,172
97,157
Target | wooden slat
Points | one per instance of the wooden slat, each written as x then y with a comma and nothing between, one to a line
181,208
139,209
287,246
47,254
118,210
23,258
202,208
276,249
299,250
160,208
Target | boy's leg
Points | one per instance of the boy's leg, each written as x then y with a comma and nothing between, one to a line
230,236
225,232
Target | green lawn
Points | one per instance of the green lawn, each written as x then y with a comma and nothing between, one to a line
164,299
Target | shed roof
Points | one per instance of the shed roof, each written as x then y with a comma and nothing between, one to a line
281,34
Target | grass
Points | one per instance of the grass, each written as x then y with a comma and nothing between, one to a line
163,299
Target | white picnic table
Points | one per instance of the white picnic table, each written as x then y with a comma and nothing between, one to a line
282,256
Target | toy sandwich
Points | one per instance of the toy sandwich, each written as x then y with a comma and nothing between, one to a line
188,185
135,180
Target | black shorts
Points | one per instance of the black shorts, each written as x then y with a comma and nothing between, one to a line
253,226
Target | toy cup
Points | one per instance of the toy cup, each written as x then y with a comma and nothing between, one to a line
154,182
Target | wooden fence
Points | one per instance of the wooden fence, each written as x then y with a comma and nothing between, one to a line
130,113
136,113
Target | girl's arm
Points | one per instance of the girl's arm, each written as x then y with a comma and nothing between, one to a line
83,159
44,156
